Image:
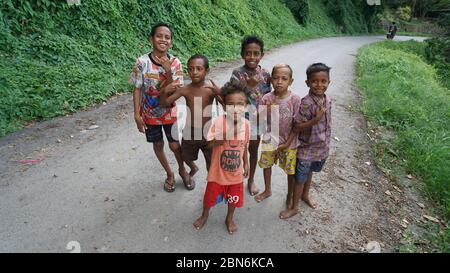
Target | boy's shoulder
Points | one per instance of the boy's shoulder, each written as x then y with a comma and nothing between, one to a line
268,96
144,57
307,99
306,102
264,71
238,70
295,97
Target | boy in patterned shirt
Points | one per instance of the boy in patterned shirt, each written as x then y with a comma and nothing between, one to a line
283,107
150,74
257,80
314,133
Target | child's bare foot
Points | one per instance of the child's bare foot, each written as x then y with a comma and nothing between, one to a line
288,213
252,188
200,222
309,202
260,197
231,226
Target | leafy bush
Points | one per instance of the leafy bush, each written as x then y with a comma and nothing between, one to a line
347,15
57,58
404,13
438,53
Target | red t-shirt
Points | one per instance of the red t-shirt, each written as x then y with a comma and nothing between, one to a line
227,159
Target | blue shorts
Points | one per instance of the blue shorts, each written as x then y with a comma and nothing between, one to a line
304,168
154,132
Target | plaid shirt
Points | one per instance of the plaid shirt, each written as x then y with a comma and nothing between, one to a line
315,141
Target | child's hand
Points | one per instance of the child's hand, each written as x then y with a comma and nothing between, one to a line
319,114
214,88
245,170
165,62
282,147
171,88
253,80
140,124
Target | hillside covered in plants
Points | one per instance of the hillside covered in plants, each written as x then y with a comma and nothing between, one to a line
57,57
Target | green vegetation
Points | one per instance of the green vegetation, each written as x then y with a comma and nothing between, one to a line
346,16
403,94
57,58
415,16
438,53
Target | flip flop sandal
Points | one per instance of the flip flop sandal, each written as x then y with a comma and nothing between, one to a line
169,187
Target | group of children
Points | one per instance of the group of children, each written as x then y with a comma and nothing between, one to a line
294,132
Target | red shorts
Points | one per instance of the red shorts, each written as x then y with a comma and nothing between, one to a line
233,195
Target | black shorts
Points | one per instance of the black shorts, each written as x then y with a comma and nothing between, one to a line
154,132
190,149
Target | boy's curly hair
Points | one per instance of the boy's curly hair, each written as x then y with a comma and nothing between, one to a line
233,87
251,39
157,25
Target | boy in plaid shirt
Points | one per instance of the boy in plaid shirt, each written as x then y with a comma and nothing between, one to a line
314,133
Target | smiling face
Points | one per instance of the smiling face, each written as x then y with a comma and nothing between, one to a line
196,69
252,55
236,104
281,79
318,83
161,40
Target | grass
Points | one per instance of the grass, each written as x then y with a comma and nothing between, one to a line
402,94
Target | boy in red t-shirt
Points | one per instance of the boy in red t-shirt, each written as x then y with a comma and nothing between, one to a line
228,136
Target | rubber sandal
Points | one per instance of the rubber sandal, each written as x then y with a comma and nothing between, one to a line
169,187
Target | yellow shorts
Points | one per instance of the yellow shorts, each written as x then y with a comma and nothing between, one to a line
286,160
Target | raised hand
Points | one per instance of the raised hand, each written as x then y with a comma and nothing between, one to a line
214,88
165,62
319,114
253,80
